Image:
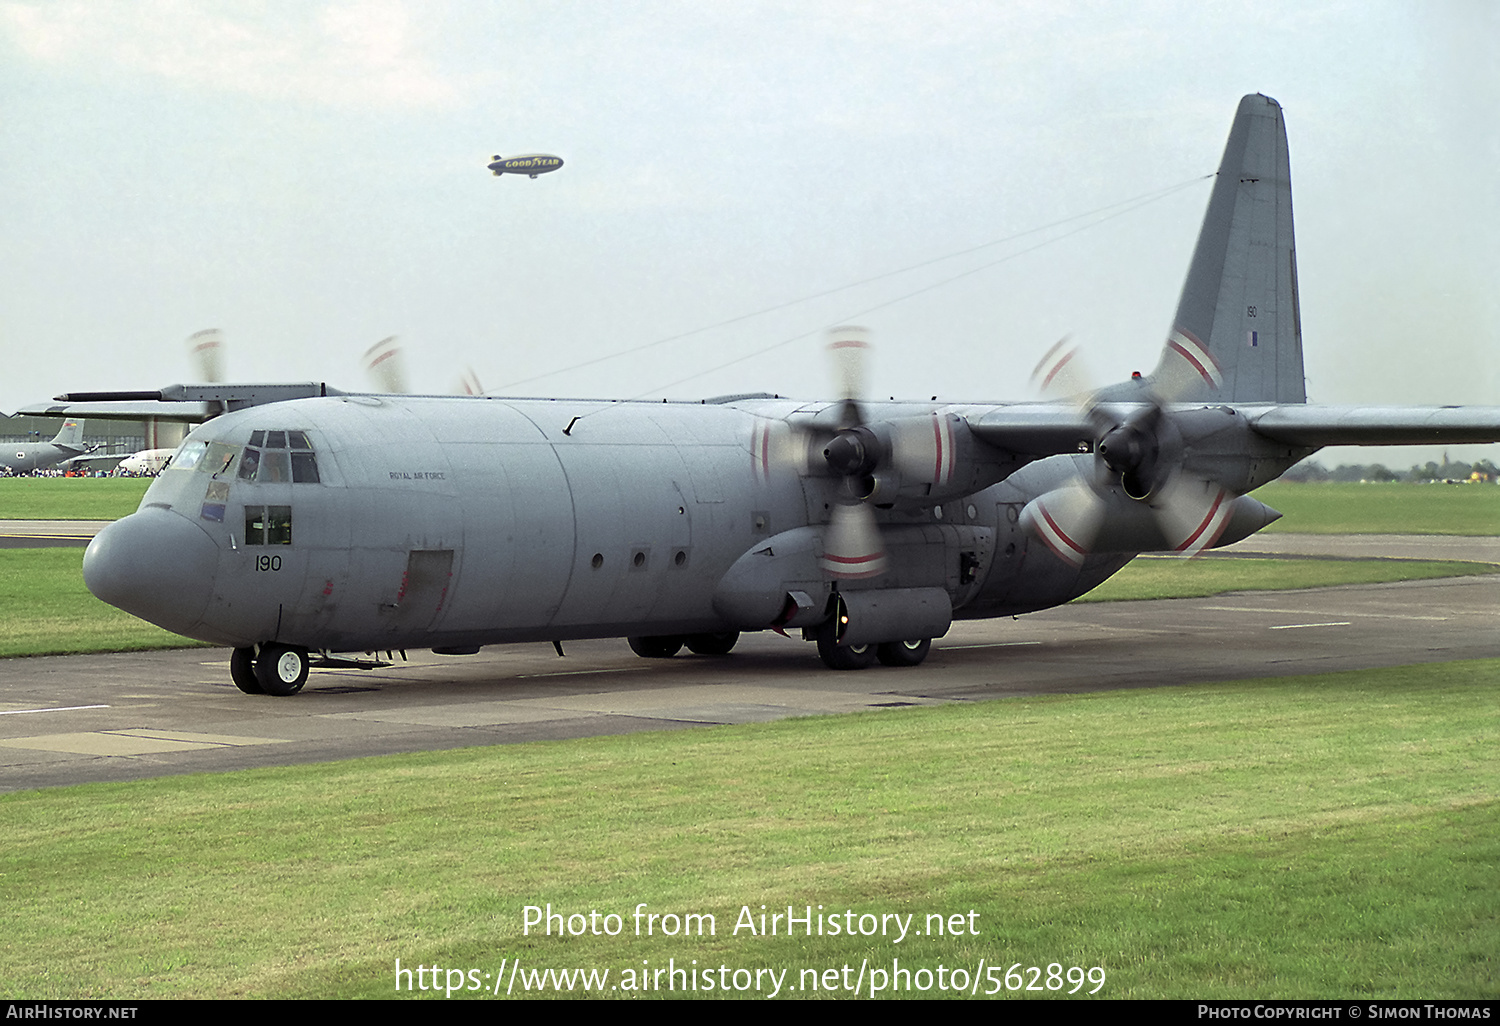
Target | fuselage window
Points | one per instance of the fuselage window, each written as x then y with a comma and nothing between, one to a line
268,525
278,525
255,525
249,463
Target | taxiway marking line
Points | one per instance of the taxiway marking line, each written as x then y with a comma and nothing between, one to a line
1264,609
1294,626
578,673
61,708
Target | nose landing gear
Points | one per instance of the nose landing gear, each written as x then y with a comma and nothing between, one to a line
273,670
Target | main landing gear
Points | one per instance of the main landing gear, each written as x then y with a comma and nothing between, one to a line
834,655
858,657
274,670
667,645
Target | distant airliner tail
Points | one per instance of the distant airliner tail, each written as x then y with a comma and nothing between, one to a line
70,434
1237,336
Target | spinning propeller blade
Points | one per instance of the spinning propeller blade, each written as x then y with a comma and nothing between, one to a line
384,366
1140,451
206,349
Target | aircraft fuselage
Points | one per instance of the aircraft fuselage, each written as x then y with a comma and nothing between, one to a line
454,523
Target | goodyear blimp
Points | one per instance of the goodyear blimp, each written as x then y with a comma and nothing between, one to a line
530,164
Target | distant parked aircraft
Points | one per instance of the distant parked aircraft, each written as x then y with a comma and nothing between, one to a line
24,457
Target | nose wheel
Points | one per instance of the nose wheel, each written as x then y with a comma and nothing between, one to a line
242,671
274,670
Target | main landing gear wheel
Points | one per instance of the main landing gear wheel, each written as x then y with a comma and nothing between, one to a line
842,657
903,653
242,671
712,644
281,669
663,647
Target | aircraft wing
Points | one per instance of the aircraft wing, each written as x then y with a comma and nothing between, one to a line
1310,425
1035,429
1041,429
191,403
66,406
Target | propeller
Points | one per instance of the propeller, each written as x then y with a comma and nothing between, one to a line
1141,451
853,547
206,350
874,462
385,367
468,383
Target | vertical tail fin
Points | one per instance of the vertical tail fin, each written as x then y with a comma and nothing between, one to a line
71,433
1239,303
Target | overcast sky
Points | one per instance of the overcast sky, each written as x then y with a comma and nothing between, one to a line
309,178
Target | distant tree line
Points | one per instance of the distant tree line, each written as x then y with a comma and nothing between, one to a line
1311,470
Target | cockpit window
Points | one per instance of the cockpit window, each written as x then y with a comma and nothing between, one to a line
220,456
189,455
274,465
280,456
304,467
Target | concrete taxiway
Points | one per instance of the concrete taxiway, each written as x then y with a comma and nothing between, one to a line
75,719
37,534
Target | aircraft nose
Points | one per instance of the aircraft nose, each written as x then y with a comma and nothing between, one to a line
154,564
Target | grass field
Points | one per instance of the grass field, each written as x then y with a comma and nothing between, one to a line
1330,836
1327,836
1384,508
48,610
70,498
1150,577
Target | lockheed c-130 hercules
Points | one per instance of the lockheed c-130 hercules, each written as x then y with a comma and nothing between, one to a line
303,520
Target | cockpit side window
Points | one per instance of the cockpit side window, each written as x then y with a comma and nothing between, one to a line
268,525
249,463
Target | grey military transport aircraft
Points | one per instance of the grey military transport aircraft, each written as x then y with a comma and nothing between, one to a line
304,521
24,457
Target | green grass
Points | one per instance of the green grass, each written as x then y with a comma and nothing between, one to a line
1154,577
48,610
70,498
1384,508
1325,836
